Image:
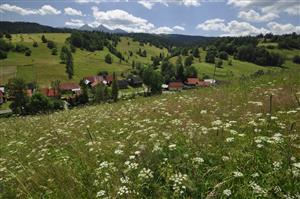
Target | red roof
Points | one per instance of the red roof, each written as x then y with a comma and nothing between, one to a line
175,85
109,78
192,81
68,86
49,92
204,84
93,79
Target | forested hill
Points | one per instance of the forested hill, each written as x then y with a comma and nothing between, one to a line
166,40
29,27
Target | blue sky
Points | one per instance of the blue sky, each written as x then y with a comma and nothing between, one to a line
193,17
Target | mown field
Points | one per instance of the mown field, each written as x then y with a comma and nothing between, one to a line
220,142
43,67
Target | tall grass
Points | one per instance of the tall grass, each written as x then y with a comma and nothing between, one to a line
219,142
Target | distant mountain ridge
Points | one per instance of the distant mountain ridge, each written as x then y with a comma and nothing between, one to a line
159,40
102,29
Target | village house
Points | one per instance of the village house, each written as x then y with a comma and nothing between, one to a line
175,86
70,87
192,82
210,81
94,80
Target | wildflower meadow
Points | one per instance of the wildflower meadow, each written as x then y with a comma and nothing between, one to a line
239,140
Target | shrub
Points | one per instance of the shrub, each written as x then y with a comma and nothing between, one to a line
51,44
35,44
108,59
40,104
188,61
28,52
21,48
223,55
44,40
3,54
54,51
296,59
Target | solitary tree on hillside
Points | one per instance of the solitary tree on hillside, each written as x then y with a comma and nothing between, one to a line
211,54
35,44
54,51
44,40
63,54
196,53
152,79
188,61
69,64
179,69
108,59
51,44
115,89
168,70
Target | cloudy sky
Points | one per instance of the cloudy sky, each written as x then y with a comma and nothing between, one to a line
192,17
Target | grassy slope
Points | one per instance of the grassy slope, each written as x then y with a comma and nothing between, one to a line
44,67
238,67
77,153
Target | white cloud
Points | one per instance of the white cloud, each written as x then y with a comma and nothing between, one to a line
254,16
150,3
293,10
191,2
162,30
236,28
48,10
233,28
16,9
291,7
72,12
277,28
76,23
146,4
179,28
212,24
44,10
122,19
88,1
99,1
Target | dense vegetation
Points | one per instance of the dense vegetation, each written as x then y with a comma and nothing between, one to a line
245,49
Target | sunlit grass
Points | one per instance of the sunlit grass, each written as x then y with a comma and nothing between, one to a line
218,142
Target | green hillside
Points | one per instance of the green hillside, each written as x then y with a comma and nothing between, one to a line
44,67
201,143
237,69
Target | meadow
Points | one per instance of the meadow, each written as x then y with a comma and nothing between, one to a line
231,141
44,68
